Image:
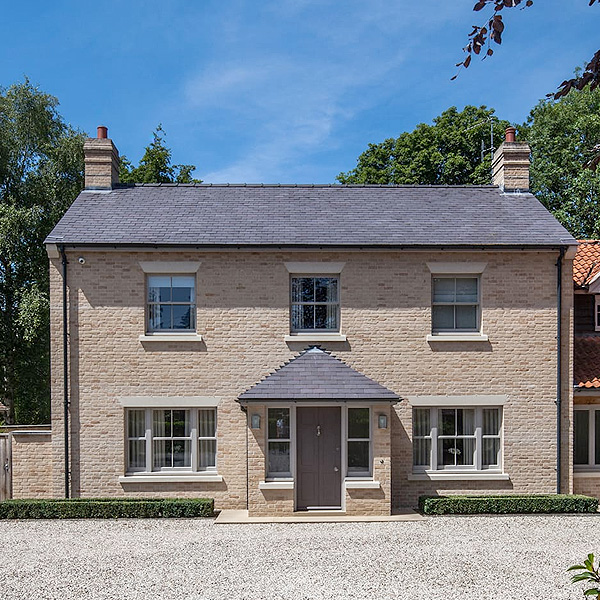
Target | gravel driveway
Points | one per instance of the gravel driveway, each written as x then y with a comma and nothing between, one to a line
442,557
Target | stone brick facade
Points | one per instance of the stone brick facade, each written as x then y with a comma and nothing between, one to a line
243,316
31,464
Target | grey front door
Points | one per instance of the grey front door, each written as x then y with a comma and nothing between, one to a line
318,465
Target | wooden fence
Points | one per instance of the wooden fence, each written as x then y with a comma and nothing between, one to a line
5,475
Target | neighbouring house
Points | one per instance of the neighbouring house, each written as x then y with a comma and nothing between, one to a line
300,347
586,417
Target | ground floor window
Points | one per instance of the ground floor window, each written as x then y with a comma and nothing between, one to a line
586,437
359,442
167,439
456,438
278,443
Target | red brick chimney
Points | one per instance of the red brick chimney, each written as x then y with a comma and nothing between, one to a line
510,166
101,162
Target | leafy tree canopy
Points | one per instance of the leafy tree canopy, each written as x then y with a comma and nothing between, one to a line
41,172
482,36
447,152
563,135
155,166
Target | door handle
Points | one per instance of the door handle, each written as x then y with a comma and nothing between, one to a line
335,469
318,430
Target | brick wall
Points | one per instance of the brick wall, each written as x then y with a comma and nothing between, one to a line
243,316
31,465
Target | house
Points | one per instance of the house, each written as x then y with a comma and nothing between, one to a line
298,347
586,415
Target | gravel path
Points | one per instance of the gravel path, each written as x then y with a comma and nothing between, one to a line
479,558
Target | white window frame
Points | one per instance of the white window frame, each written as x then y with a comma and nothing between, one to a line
597,312
193,305
149,469
369,472
591,464
338,303
477,305
290,440
477,466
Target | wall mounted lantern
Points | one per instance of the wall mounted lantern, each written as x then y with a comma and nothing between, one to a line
255,421
382,421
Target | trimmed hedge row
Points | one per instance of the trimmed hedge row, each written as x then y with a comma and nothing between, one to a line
507,504
107,508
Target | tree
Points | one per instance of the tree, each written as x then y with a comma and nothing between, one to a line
484,35
447,152
41,172
563,135
155,166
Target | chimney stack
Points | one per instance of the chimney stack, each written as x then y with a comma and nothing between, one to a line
101,162
510,166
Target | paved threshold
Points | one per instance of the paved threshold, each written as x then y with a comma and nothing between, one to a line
241,516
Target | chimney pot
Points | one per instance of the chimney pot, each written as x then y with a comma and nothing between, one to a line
510,165
101,162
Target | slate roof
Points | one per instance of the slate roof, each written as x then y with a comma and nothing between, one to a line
586,361
586,264
316,375
288,215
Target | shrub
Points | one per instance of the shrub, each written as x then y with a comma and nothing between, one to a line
106,508
589,574
507,504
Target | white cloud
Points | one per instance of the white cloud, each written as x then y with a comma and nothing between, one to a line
290,107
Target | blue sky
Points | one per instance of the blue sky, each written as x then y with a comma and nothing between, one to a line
281,91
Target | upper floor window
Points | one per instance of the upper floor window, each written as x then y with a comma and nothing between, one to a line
455,304
171,303
597,312
315,304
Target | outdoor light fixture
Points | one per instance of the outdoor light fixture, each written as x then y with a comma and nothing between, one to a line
255,421
382,421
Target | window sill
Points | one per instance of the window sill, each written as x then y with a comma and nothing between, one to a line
457,337
456,476
160,478
363,484
586,474
276,485
170,337
315,337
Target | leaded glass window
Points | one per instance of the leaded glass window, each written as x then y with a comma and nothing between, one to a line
278,443
315,304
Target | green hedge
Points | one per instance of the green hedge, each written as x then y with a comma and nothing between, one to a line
507,504
106,508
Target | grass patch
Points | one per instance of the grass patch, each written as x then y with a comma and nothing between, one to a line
107,508
507,504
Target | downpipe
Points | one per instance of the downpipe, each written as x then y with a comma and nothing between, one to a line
559,264
64,263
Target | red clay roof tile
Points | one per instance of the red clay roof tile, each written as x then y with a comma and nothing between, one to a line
586,264
586,359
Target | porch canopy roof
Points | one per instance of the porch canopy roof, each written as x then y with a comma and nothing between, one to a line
316,375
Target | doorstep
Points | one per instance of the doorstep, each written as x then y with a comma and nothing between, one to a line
241,516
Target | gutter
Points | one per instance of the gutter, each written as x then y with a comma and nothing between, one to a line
145,246
64,263
559,367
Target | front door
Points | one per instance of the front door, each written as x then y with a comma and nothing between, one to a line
318,465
